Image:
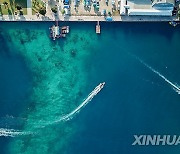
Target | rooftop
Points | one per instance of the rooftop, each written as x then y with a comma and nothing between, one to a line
140,4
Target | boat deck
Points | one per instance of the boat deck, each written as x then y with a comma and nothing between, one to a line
58,32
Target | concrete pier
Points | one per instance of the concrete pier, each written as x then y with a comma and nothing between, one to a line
98,28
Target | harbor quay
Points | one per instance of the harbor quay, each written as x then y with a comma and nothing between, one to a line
90,10
91,18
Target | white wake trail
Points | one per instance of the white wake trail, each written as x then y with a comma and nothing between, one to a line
175,87
12,133
83,104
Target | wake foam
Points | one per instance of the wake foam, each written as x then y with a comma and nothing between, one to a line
12,133
175,87
83,104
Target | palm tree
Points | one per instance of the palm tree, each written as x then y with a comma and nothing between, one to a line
18,7
54,9
1,10
5,4
42,11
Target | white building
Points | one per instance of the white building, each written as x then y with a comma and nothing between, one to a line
122,7
149,12
163,4
147,7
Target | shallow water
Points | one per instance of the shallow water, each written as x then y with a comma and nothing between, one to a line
44,80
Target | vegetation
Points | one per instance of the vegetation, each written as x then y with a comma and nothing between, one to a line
38,6
1,11
42,11
9,7
5,4
63,11
18,7
54,9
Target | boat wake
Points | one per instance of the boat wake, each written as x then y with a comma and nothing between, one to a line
174,86
12,133
83,104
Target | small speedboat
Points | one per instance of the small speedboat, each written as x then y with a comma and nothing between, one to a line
102,85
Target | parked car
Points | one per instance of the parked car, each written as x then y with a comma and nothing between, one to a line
66,2
94,3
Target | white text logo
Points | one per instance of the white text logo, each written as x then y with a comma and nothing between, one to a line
156,140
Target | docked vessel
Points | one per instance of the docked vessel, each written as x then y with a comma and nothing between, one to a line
64,31
55,32
58,32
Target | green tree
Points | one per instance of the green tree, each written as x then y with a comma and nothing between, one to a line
63,11
42,11
5,4
54,9
18,7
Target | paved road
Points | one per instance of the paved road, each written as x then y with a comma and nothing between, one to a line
51,17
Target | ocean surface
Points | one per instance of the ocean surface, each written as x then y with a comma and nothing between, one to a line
43,80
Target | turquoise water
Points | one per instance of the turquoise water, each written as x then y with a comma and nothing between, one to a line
42,80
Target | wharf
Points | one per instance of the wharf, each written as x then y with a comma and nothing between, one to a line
86,18
98,28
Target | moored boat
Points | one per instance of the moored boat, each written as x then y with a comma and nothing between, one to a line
58,32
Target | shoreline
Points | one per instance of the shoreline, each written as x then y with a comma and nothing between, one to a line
82,15
89,18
